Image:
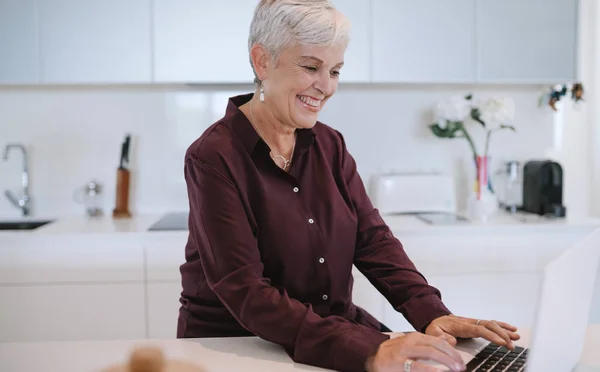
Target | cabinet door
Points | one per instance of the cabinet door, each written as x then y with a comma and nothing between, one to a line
19,63
357,66
95,41
165,252
527,41
423,41
163,309
202,41
32,259
72,312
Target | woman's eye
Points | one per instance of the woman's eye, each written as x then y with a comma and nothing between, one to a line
335,73
311,68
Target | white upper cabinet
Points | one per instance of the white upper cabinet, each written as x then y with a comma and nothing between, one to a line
202,41
206,41
423,41
19,61
527,40
357,66
95,41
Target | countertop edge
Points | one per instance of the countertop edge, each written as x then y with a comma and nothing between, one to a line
399,225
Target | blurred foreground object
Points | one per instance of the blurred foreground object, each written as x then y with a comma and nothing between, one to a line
152,359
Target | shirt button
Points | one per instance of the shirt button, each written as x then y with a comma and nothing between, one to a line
296,189
310,220
325,297
321,260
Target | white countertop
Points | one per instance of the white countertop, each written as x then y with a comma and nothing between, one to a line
89,225
213,354
398,223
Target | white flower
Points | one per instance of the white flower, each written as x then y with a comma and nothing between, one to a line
497,111
456,108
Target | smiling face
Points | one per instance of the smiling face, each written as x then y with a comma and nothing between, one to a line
300,81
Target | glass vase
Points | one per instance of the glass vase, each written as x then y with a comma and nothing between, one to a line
482,203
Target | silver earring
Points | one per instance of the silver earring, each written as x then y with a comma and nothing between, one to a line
262,94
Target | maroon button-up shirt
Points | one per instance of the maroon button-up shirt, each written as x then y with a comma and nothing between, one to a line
270,253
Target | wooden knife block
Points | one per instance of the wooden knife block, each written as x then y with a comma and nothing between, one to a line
122,196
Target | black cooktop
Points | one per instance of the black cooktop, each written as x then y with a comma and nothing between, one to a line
171,222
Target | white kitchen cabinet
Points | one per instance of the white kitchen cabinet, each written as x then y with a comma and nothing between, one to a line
95,41
72,312
423,41
533,41
509,297
47,259
71,287
19,63
165,252
163,309
357,60
202,41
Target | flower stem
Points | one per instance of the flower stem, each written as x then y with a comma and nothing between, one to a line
469,139
487,142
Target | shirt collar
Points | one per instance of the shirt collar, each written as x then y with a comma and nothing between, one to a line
246,132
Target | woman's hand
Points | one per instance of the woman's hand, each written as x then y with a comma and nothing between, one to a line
450,326
400,349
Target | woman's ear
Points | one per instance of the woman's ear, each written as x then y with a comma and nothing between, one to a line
259,57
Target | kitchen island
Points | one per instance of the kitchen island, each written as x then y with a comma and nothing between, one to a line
248,354
79,279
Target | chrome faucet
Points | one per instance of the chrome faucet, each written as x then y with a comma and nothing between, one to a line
24,200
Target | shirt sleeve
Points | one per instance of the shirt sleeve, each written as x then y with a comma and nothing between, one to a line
231,262
381,258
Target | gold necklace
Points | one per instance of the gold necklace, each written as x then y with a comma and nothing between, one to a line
286,163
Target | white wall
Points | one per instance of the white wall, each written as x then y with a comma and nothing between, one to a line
74,135
593,58
577,126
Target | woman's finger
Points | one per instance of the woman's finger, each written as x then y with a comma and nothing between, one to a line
438,332
514,336
440,344
494,327
511,329
473,331
449,339
431,353
507,326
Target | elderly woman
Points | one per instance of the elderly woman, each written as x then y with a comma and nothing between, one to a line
279,215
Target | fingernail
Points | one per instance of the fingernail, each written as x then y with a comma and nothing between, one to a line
460,367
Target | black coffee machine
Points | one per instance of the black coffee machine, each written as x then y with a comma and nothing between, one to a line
543,188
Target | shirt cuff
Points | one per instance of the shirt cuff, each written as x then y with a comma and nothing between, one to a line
419,312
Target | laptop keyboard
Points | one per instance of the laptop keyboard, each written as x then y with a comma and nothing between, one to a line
498,358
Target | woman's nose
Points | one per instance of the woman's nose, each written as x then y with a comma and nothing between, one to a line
325,83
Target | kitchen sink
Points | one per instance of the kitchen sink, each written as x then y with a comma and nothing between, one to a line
22,225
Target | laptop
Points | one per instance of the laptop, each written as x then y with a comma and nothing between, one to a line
562,313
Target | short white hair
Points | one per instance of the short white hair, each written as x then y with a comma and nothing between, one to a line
278,24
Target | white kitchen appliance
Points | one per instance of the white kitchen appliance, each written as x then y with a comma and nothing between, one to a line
429,196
